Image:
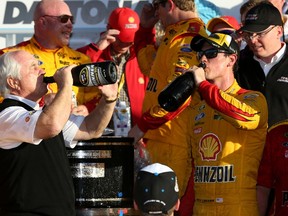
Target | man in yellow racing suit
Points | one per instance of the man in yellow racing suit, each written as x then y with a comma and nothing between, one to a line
165,133
49,44
227,132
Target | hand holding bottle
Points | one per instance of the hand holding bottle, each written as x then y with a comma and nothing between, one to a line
180,89
63,76
198,74
109,92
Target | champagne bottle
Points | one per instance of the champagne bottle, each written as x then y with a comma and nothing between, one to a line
92,74
177,92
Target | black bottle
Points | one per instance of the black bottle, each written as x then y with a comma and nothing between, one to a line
177,92
92,74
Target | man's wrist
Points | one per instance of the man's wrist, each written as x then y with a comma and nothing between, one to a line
107,100
111,101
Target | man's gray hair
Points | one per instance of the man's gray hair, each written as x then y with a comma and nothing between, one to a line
9,67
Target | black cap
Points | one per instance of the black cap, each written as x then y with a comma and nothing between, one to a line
218,40
156,189
261,17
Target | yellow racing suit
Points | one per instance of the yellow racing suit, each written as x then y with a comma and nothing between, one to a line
165,133
227,134
51,60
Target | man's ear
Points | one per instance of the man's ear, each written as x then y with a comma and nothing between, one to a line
280,31
13,83
135,205
233,58
42,22
177,205
171,5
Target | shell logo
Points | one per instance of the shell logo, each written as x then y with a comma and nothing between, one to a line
131,20
209,147
141,80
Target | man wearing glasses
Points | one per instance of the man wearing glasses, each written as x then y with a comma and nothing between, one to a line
227,131
52,31
165,132
264,67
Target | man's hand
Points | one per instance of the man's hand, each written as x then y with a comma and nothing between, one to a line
136,133
48,98
63,76
107,38
109,92
80,110
148,18
199,74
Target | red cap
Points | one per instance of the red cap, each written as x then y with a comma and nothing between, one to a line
229,20
126,21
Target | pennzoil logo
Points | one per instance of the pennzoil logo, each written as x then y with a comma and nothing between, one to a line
214,174
209,147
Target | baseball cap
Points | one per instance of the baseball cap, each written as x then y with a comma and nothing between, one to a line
229,20
218,40
156,189
126,21
261,17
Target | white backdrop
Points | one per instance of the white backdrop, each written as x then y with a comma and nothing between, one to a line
91,16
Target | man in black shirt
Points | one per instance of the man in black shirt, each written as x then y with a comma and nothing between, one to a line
35,173
263,63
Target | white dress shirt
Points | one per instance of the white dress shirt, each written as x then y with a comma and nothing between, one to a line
17,125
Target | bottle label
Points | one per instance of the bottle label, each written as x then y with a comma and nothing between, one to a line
96,74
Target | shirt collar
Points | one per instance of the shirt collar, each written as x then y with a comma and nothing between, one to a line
30,103
38,45
267,66
279,55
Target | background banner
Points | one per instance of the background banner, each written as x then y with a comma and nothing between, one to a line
16,17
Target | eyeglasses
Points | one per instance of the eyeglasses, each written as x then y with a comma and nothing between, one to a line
62,18
156,4
249,36
209,53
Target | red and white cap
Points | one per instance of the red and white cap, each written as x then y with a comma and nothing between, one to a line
126,21
229,20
